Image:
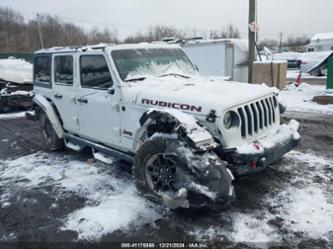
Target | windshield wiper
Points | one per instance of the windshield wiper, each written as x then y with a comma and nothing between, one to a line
175,74
139,78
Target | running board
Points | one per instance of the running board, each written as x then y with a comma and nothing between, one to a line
103,152
102,157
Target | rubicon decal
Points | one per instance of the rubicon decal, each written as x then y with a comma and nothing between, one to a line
184,107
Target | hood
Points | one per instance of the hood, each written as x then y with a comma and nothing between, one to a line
197,95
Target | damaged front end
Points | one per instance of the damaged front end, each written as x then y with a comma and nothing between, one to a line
201,177
256,155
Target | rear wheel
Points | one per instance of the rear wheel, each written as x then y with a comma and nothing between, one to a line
50,137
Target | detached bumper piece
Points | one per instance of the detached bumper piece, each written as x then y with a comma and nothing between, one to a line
257,155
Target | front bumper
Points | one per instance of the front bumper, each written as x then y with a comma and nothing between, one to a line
257,155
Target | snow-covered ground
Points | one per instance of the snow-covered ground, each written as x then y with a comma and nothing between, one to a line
112,200
293,74
299,99
15,70
303,204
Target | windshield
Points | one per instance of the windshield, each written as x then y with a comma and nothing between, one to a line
140,63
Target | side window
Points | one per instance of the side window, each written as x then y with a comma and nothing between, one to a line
42,69
63,69
95,72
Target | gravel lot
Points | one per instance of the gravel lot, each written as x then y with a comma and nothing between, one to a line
66,196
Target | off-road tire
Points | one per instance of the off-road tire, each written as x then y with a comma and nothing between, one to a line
159,145
146,151
49,136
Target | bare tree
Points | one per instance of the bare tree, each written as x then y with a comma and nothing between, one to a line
105,36
20,35
297,40
155,33
228,31
269,43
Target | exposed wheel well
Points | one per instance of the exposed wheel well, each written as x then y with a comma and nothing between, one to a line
38,109
185,126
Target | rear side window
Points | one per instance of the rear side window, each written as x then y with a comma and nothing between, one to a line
42,69
95,72
63,69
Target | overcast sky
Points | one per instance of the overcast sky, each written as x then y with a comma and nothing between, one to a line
128,16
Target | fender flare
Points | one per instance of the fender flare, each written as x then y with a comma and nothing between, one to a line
185,124
46,106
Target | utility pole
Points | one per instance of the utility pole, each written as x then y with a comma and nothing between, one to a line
40,32
280,46
252,37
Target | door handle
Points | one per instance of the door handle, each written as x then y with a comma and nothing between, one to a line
58,96
82,100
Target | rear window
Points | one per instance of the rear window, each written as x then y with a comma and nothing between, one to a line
94,72
42,69
63,69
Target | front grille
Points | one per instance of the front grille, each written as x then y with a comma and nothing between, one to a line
257,116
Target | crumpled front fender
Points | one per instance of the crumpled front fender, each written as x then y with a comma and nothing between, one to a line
183,124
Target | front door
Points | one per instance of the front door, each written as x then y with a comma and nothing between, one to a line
98,107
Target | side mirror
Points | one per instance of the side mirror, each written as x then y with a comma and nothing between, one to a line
111,91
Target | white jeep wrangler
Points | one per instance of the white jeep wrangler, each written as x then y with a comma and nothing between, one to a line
146,103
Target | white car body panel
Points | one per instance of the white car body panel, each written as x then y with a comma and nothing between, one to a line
113,119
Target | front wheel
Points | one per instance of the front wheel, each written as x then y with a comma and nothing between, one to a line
164,173
49,136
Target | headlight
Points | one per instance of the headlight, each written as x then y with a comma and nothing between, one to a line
230,119
227,120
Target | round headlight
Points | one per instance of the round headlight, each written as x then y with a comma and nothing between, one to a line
230,119
227,120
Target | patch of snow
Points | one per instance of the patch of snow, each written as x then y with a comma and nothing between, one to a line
307,210
157,69
15,70
299,99
293,74
159,90
12,115
204,190
115,211
112,201
24,93
5,204
251,228
245,228
287,56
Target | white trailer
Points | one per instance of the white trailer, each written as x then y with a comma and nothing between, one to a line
227,58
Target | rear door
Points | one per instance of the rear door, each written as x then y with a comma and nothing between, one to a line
64,91
98,105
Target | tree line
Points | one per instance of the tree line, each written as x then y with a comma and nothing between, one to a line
17,34
20,35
